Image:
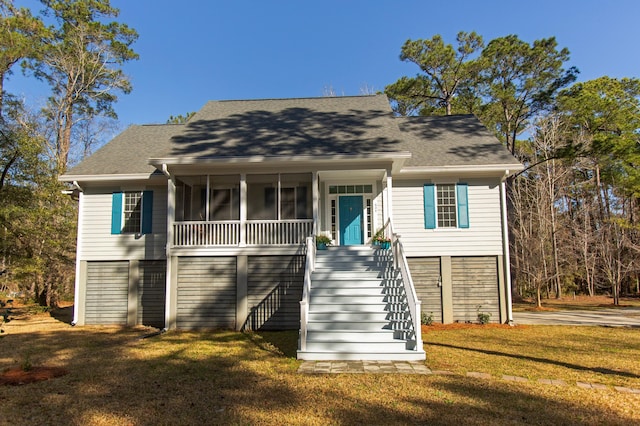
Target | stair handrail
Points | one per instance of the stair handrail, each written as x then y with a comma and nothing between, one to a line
400,263
309,267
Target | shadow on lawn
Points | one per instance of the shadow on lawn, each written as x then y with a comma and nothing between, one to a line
64,315
223,377
285,342
542,360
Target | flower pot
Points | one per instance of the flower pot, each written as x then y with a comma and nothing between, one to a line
386,245
321,246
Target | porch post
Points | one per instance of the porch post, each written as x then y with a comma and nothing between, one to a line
389,202
506,264
243,210
316,200
79,281
170,314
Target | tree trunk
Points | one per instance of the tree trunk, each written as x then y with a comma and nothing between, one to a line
63,137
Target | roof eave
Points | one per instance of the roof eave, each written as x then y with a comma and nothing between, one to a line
484,170
110,177
169,161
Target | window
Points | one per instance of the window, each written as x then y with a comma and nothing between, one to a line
446,206
350,189
446,202
131,212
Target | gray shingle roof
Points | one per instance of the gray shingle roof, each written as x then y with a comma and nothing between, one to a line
451,141
129,152
303,126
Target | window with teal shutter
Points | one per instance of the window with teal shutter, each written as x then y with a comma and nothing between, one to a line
463,205
147,212
116,213
132,212
446,206
429,206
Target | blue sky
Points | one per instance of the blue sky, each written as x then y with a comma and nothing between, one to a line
192,51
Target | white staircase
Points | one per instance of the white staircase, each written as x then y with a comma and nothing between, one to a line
358,309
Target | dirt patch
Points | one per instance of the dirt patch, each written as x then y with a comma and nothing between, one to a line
461,326
18,376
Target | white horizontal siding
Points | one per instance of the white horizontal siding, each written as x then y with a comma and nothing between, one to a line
482,238
98,243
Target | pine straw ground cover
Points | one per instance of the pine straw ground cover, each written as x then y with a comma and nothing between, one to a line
579,302
115,377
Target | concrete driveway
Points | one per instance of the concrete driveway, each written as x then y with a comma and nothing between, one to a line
621,317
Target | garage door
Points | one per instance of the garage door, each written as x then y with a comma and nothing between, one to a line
274,292
206,292
151,293
107,293
475,288
425,272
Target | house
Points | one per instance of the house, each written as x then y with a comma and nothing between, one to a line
207,224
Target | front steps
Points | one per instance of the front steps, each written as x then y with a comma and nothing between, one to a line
357,308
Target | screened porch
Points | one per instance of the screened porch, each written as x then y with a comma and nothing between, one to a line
243,210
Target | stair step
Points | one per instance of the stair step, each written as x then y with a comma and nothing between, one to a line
345,250
379,335
339,290
407,355
348,307
344,346
349,262
357,279
350,316
359,326
348,299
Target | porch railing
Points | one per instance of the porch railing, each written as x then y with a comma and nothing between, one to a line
227,233
221,233
269,232
401,264
310,266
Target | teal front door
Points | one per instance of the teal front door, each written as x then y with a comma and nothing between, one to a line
350,211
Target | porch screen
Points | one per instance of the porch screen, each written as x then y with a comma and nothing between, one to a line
262,197
221,203
279,197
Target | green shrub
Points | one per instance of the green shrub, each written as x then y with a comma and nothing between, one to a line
426,319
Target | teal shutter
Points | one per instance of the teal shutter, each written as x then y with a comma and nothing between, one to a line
147,212
429,206
463,205
116,213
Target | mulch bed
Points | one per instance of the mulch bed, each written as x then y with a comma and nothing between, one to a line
18,376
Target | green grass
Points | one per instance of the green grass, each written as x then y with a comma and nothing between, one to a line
224,377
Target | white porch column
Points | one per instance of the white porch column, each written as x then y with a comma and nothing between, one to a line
316,200
243,210
170,303
505,248
388,203
78,304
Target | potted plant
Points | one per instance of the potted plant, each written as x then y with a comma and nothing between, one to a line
378,237
322,241
380,240
385,243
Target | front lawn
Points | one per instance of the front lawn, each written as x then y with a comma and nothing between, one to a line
115,377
